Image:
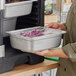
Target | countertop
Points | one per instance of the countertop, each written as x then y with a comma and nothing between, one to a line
27,70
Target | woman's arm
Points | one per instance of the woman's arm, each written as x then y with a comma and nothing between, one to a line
68,51
53,53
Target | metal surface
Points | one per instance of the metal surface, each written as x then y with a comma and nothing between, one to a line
9,25
51,38
1,27
18,9
2,2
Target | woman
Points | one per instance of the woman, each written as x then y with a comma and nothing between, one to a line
67,54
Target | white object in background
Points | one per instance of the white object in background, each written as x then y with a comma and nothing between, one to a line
26,44
63,17
9,25
2,2
53,72
17,9
47,73
66,7
2,51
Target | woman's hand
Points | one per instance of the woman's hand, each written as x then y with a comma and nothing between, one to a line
55,25
52,53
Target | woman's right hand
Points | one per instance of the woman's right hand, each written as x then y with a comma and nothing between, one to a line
55,25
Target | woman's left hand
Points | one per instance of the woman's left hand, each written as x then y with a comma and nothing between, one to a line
52,53
48,53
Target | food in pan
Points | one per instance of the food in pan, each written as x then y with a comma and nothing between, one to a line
31,34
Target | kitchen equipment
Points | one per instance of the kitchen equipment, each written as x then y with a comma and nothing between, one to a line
18,9
12,56
9,25
51,38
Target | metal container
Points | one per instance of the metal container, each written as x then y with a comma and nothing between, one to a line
50,39
17,9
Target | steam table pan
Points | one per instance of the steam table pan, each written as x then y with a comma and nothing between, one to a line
51,38
18,9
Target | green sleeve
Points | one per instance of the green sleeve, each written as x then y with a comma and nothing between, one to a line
70,51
